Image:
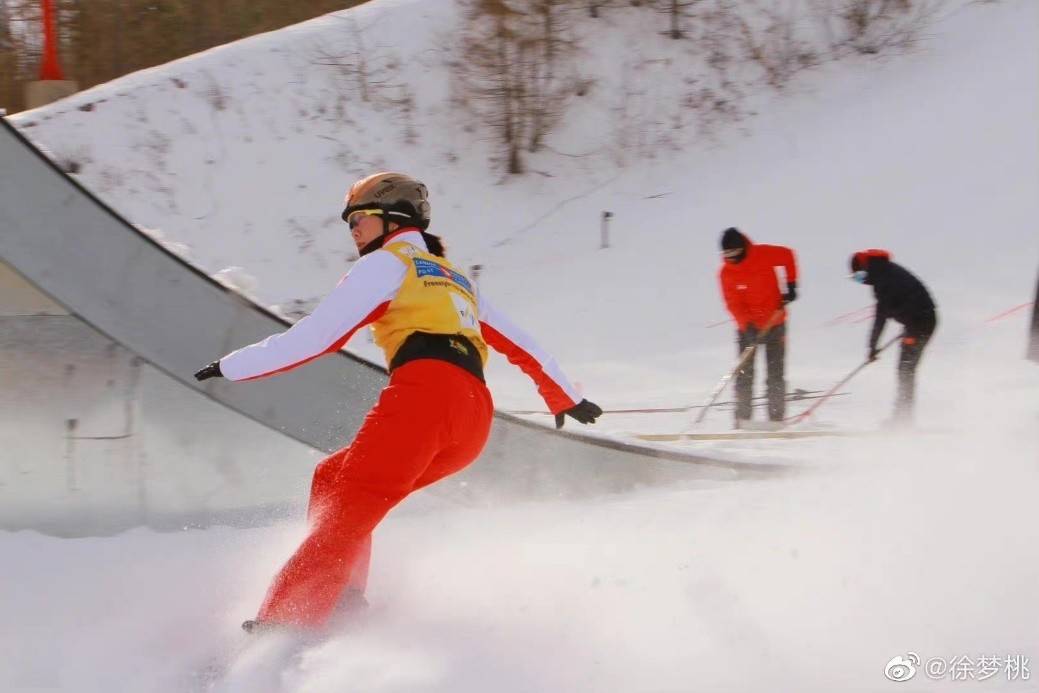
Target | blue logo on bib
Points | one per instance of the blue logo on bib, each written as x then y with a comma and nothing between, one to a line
428,268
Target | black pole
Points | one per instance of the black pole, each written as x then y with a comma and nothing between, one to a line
1033,341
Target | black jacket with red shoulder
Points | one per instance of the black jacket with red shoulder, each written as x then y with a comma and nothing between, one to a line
900,295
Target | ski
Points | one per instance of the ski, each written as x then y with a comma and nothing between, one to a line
801,396
797,395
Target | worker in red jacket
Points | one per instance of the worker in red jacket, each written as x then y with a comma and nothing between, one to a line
753,297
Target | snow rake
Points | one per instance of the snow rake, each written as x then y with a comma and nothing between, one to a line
803,416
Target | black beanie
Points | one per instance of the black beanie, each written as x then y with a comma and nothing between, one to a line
732,239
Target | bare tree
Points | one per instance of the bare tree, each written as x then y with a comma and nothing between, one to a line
8,59
491,52
20,48
5,27
547,92
509,70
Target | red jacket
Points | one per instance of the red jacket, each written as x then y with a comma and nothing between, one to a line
750,287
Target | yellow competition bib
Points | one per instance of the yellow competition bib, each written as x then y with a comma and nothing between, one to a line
434,297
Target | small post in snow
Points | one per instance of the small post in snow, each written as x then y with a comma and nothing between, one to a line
474,274
605,242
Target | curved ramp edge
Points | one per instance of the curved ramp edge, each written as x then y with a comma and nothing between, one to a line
77,250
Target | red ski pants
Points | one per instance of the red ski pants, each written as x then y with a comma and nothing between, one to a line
432,420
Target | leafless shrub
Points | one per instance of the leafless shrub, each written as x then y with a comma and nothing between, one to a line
216,96
508,71
771,41
869,27
368,74
360,71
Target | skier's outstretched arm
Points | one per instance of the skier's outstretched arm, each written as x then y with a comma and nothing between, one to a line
521,350
359,298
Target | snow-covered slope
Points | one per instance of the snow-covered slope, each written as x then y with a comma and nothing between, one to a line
902,543
243,153
810,584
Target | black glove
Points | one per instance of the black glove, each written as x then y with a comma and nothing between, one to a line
791,293
584,411
210,371
873,354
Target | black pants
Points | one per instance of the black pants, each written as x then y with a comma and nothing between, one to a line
917,335
775,363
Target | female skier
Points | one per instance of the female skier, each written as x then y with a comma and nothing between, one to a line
434,331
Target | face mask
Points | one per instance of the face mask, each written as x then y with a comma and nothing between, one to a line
859,276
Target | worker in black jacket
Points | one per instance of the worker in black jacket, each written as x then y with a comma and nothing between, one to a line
903,298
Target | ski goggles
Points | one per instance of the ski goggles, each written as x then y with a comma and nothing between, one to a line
734,252
859,276
354,218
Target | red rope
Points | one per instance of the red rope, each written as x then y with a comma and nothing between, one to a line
849,316
1013,310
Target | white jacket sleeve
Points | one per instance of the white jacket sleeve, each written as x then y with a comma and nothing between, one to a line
360,298
521,350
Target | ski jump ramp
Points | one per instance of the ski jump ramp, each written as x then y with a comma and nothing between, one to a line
113,301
